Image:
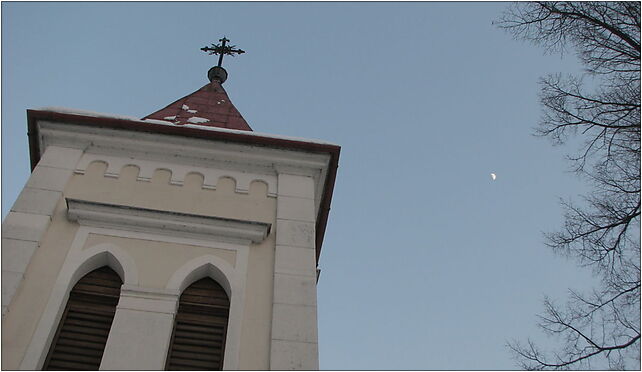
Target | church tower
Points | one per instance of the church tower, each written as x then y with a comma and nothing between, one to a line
183,240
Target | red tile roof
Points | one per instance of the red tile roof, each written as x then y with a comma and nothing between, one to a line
208,106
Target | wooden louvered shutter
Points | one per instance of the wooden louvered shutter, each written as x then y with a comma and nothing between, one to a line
82,333
198,340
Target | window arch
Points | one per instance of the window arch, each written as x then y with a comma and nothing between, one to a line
82,333
200,328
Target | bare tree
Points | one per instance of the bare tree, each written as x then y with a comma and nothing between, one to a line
599,329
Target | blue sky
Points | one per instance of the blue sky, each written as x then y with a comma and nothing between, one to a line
427,263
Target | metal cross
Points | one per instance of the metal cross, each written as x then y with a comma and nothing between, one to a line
222,49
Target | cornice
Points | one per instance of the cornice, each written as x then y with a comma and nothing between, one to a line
130,218
188,151
179,149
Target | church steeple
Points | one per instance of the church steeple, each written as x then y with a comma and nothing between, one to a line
210,105
179,225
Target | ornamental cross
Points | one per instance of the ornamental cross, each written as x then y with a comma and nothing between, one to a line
222,49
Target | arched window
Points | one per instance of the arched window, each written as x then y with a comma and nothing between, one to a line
82,333
198,339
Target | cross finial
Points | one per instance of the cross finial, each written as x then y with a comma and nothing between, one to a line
222,49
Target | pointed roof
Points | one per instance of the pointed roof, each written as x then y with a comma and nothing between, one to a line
208,106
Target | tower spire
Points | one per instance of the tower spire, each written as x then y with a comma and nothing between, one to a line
218,73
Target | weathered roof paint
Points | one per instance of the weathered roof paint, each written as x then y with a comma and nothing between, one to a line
211,102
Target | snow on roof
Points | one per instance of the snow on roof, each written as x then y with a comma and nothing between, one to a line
197,120
209,102
66,110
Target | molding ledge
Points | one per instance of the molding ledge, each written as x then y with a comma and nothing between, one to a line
90,213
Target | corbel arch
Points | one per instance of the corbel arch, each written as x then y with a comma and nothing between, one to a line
200,267
106,254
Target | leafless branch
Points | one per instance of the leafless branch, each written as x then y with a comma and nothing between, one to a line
600,330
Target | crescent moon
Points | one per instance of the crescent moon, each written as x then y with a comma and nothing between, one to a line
493,176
